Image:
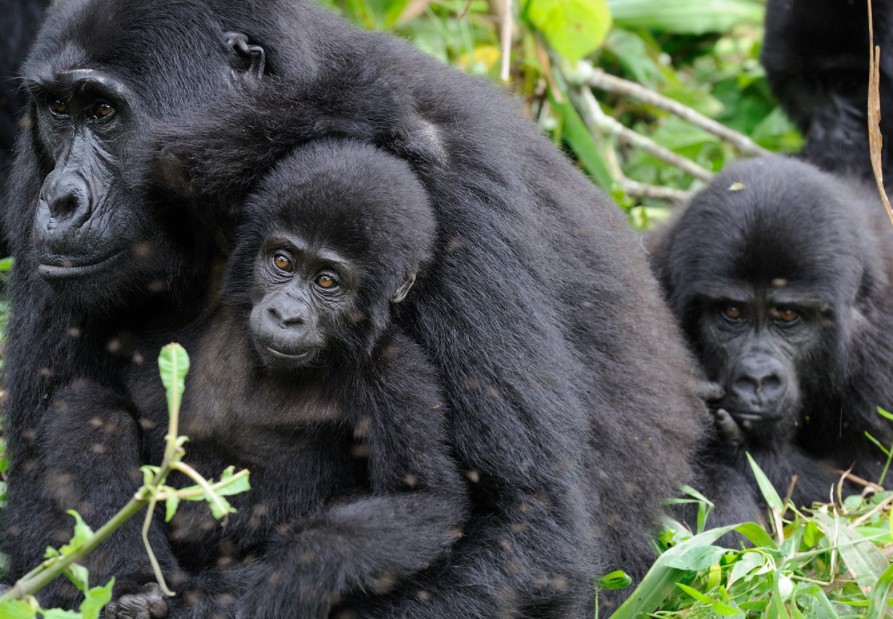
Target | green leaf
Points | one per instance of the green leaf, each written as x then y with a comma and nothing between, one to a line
7,263
686,16
865,560
618,579
573,28
884,413
697,558
660,581
772,499
58,613
814,603
17,609
715,605
233,483
79,576
173,364
582,143
95,600
170,506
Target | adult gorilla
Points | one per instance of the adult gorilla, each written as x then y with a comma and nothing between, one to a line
816,56
780,276
572,403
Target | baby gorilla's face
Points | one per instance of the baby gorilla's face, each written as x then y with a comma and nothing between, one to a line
305,296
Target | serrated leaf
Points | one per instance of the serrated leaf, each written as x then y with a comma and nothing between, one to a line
17,609
233,483
95,600
573,28
173,364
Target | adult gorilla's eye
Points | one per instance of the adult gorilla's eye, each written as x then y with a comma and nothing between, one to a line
785,315
326,281
59,107
732,312
103,109
283,262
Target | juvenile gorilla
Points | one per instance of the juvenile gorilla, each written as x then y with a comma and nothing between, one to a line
816,55
779,274
571,404
339,417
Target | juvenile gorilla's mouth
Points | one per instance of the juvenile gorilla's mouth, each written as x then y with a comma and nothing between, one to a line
71,268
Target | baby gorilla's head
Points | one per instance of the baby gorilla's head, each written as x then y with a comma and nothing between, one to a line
333,236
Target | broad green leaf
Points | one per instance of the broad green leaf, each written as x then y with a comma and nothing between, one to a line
96,599
82,532
686,16
7,263
58,613
573,28
749,563
766,488
173,364
233,483
17,609
697,558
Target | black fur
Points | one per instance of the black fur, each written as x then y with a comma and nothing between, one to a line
571,399
807,257
21,19
816,56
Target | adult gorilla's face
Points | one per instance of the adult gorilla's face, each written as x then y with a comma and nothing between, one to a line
96,236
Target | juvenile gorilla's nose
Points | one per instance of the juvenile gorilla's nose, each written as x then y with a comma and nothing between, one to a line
758,380
286,315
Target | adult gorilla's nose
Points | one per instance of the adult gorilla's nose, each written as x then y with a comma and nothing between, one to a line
758,382
65,198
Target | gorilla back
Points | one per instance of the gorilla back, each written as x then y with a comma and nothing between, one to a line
538,309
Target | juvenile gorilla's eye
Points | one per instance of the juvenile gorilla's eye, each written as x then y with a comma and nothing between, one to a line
60,107
103,109
326,281
732,312
785,314
283,262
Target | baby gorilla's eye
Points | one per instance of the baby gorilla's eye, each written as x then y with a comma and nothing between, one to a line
103,109
59,107
732,312
282,261
326,281
785,314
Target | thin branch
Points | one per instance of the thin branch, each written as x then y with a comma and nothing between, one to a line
597,78
875,137
645,190
597,120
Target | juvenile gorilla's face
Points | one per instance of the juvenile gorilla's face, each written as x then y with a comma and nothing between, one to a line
304,297
761,345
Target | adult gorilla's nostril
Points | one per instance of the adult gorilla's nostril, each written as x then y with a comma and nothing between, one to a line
66,194
64,205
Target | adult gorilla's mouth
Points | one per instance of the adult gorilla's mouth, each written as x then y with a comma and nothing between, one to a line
753,417
71,268
300,356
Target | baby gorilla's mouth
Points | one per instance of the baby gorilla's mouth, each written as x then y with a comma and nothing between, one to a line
299,356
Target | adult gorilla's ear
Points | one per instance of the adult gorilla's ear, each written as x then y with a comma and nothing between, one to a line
404,289
250,60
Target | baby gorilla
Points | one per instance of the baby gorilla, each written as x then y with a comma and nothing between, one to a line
780,277
301,376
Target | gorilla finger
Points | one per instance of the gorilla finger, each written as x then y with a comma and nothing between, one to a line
710,391
149,603
728,428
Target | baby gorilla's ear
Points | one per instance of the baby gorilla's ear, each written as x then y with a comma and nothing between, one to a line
404,289
418,141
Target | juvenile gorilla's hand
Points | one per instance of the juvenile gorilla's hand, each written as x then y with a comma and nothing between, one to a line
147,603
728,429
